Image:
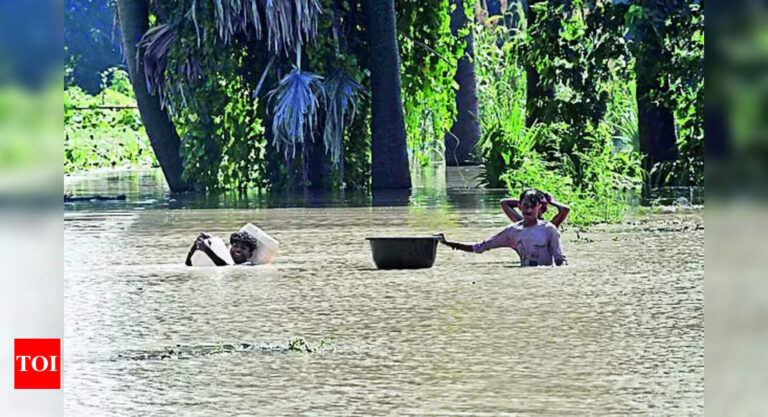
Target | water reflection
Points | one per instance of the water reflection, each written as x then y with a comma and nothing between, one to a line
146,189
393,198
456,187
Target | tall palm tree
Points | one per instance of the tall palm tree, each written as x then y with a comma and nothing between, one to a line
134,22
389,153
465,132
282,29
656,122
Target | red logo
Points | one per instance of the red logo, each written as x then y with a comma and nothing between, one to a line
37,363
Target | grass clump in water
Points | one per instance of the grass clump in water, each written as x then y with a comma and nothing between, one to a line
300,344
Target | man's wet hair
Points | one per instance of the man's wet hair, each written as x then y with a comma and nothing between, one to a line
244,239
533,196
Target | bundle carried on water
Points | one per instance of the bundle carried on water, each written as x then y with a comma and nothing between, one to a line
200,258
268,246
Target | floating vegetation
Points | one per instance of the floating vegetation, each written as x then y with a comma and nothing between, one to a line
298,344
301,345
582,239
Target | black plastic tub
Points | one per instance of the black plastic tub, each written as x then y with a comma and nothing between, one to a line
404,252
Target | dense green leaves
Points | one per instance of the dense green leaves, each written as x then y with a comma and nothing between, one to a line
214,64
104,130
428,57
668,36
570,151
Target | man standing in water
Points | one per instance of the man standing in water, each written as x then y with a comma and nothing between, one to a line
536,241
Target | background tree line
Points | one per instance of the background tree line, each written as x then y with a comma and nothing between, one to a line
589,96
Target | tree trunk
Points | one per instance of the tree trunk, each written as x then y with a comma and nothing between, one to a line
389,153
656,124
539,97
494,8
318,167
134,22
465,132
716,143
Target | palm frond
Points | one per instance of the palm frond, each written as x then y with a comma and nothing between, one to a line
156,43
340,92
307,13
295,109
235,17
290,22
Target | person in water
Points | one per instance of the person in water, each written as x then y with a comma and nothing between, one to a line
510,204
241,248
536,241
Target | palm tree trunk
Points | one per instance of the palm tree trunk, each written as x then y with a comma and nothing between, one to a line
465,132
134,22
318,165
656,123
389,152
494,7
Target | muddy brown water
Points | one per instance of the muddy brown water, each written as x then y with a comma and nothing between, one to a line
619,331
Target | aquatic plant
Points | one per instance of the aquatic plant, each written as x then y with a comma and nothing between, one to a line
299,344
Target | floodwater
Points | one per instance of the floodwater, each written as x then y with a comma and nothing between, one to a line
619,331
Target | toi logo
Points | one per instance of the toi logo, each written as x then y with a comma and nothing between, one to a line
37,364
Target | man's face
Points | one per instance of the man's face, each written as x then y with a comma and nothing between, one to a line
530,211
240,253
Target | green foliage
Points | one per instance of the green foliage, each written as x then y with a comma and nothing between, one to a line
195,51
104,130
579,52
622,117
501,100
606,180
428,57
668,37
222,134
571,152
211,63
356,169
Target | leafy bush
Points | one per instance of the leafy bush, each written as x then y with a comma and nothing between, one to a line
670,34
428,57
582,151
104,130
501,101
605,183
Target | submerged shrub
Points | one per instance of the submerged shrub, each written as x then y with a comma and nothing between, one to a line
598,189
